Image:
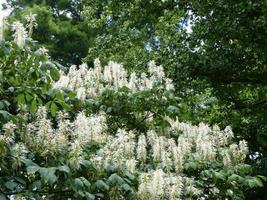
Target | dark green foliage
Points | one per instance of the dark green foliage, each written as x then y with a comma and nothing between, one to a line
60,27
26,82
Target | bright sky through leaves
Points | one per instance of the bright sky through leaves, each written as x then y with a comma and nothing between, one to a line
3,13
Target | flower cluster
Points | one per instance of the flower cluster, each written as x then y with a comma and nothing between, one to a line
31,22
3,25
93,81
165,158
20,33
200,143
43,138
159,185
156,157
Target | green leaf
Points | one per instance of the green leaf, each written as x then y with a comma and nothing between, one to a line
33,108
254,182
89,196
2,105
130,176
191,166
60,96
20,99
235,177
78,183
53,109
28,162
101,185
64,168
243,169
5,114
110,168
85,163
48,175
32,169
11,185
20,180
54,74
2,197
173,109
29,97
126,187
37,184
219,176
115,179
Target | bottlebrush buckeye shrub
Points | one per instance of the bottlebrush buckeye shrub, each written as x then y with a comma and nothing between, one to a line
103,153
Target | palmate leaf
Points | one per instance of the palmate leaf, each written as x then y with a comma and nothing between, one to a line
253,182
48,175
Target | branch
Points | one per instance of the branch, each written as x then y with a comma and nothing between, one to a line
243,105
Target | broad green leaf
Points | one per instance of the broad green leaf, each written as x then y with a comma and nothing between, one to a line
5,114
32,169
53,109
48,175
20,99
126,187
78,183
64,168
11,185
101,185
54,73
191,166
254,182
33,107
115,179
89,196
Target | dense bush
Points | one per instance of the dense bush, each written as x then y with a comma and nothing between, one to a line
106,133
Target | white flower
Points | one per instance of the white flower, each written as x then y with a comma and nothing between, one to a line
141,148
81,93
131,164
90,128
156,187
31,22
227,161
176,189
178,159
169,84
43,51
63,82
3,25
243,147
156,149
20,34
190,187
113,77
143,188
